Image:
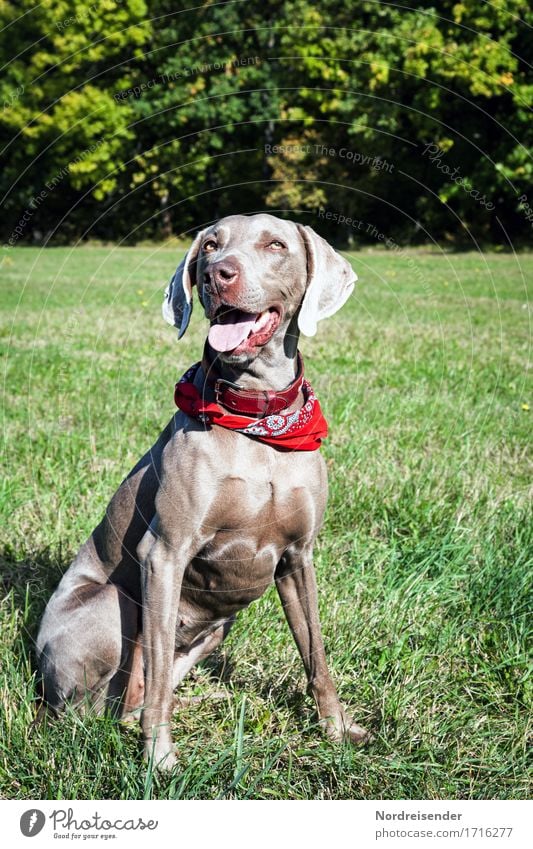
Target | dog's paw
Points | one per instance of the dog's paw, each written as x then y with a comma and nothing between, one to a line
166,763
342,729
357,735
161,756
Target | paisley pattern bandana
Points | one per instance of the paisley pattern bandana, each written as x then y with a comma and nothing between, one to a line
302,430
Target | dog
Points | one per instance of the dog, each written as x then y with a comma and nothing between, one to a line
229,499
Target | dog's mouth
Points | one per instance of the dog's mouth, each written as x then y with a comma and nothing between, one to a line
239,332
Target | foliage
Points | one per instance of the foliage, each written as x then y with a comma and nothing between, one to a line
157,119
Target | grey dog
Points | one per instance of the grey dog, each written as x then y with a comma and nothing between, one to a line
209,517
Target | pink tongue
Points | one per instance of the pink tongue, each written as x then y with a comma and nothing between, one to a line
227,336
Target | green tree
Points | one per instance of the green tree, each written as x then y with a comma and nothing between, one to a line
152,121
63,135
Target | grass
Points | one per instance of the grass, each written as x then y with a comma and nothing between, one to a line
424,563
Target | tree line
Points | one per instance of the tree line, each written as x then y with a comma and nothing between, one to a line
127,120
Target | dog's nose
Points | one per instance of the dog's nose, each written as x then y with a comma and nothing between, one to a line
224,273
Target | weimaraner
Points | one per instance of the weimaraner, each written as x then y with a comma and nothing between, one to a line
209,517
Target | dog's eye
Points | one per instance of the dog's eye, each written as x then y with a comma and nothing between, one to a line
210,246
276,245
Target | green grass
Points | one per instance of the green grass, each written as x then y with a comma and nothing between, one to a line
423,565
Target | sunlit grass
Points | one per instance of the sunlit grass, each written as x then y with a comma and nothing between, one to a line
424,563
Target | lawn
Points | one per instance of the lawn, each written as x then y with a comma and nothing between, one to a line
424,564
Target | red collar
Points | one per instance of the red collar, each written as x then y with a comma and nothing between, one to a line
246,402
302,430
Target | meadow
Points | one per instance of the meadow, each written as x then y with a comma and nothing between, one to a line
424,564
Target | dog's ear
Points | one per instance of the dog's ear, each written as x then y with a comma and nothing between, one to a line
330,281
177,303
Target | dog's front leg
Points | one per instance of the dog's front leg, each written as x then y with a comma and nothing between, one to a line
296,585
162,567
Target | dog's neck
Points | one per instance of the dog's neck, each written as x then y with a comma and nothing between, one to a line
275,367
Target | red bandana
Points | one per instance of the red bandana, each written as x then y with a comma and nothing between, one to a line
302,430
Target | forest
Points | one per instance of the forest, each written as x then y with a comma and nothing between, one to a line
128,121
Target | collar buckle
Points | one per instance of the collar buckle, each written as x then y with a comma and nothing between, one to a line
260,403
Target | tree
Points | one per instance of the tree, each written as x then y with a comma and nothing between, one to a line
62,134
139,122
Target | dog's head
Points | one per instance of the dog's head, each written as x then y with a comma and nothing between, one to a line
254,275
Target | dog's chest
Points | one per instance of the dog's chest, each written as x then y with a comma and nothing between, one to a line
263,508
250,524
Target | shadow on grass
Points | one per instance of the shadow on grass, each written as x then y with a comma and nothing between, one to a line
31,579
